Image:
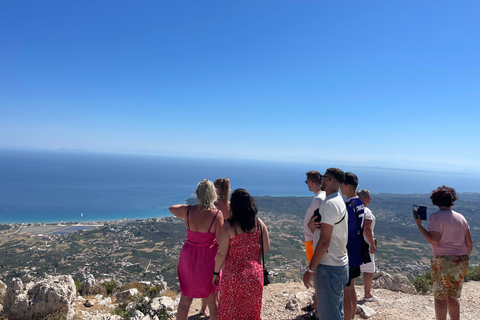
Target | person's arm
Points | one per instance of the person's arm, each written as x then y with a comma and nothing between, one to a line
320,250
469,241
218,225
368,233
312,225
432,237
224,243
266,238
179,210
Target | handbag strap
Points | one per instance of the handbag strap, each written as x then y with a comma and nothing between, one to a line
261,242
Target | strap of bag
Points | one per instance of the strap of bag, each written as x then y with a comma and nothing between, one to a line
341,219
261,242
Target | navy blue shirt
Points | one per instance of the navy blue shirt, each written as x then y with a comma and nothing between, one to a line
354,235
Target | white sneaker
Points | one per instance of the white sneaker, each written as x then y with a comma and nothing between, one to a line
374,298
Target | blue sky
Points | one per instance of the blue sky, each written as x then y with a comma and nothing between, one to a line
391,83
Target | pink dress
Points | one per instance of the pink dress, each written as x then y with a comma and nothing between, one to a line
242,279
196,262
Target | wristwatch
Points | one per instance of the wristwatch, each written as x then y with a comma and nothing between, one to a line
310,270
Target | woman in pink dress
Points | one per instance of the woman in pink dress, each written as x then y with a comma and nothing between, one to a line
222,187
239,254
197,258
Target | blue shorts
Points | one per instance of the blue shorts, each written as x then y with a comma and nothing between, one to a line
330,283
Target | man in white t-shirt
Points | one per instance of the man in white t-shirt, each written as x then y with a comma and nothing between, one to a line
314,184
330,259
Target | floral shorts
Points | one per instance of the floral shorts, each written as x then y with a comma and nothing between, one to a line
448,273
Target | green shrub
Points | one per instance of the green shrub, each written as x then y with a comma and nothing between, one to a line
59,315
423,282
154,291
139,305
134,285
78,285
109,286
473,274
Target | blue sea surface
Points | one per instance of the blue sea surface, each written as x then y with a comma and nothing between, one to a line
54,186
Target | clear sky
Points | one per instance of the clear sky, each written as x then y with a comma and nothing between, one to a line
367,82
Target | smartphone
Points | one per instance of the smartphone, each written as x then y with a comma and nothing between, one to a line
316,214
420,212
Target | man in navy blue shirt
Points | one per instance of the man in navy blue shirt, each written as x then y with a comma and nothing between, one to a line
355,232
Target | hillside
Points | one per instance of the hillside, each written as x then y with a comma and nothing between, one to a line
142,249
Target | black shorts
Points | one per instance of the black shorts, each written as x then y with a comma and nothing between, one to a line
353,272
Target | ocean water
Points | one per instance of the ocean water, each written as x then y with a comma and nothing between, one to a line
54,186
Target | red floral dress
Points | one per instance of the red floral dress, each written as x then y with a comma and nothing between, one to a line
241,286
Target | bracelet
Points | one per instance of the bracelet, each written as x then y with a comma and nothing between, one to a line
310,270
216,273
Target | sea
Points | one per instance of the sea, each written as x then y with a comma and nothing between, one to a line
55,186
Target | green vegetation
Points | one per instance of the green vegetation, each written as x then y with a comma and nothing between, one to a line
473,274
141,305
423,283
109,286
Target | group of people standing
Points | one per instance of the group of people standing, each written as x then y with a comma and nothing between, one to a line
334,231
220,261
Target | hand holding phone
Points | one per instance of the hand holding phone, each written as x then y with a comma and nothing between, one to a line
420,212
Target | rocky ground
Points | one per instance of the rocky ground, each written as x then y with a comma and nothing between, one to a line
281,301
393,305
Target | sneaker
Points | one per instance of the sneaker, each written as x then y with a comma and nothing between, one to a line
373,298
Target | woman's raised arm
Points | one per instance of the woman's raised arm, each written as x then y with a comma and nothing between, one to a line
179,210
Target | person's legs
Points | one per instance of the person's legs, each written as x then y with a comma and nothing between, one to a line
203,309
368,270
183,307
212,305
453,307
441,309
350,295
367,283
309,252
350,300
330,281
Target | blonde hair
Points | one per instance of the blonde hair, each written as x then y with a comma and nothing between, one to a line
206,195
224,186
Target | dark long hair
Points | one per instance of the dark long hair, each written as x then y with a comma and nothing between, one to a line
244,210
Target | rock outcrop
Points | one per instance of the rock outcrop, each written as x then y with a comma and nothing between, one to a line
126,294
35,300
88,285
397,282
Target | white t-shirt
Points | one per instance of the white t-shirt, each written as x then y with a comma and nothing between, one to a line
369,216
316,203
333,209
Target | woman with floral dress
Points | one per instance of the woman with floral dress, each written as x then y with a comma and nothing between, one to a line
239,254
449,234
